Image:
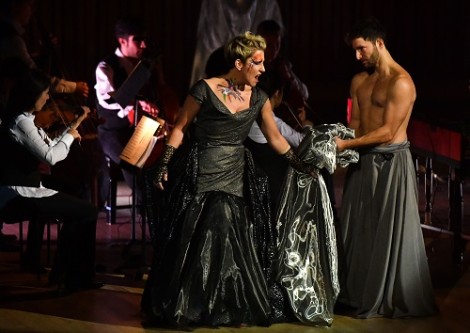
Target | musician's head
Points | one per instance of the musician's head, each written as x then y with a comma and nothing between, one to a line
272,32
28,93
130,34
20,11
272,84
216,63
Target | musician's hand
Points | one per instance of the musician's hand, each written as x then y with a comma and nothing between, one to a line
75,134
82,117
302,115
286,71
86,111
307,123
149,107
82,89
54,40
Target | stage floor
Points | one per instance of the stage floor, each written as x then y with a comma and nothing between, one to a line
29,305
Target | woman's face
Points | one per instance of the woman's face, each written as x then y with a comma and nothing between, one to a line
41,100
254,67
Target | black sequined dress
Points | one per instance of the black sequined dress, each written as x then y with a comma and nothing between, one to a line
212,235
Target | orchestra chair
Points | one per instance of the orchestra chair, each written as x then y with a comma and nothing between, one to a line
115,175
12,220
8,219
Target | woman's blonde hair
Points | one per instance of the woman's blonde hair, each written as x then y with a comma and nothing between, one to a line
243,46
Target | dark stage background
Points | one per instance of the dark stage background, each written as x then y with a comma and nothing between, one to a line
431,39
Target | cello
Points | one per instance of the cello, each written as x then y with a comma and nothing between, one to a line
168,107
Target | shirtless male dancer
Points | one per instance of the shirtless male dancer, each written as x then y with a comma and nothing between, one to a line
384,270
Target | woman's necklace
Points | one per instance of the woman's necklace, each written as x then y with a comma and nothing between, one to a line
230,91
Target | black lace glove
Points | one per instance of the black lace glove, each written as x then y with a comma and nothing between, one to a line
295,162
162,164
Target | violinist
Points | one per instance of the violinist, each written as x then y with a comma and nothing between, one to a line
22,192
295,92
117,129
264,156
15,16
293,107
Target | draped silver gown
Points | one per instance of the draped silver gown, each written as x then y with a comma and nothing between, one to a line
307,260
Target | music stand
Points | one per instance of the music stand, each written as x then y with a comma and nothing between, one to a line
124,96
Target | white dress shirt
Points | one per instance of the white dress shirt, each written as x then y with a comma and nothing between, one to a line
292,136
105,84
35,139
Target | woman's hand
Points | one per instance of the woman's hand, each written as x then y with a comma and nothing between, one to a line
161,176
162,166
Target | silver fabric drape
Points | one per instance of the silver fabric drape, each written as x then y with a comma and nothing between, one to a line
307,265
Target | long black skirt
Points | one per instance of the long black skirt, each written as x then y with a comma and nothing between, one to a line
211,261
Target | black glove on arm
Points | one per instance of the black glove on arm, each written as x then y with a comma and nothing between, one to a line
162,164
295,162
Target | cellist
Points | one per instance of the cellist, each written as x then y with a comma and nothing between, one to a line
117,128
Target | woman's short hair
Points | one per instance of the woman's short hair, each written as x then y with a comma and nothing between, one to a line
243,46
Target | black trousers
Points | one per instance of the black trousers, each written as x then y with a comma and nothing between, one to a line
77,237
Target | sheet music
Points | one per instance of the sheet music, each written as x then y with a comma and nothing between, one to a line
141,143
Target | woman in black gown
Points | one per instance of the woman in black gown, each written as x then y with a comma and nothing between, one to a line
209,267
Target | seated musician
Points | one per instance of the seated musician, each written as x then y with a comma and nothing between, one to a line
295,92
15,16
22,193
264,156
117,129
293,109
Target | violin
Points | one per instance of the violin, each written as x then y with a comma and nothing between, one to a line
85,158
294,113
58,115
293,108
